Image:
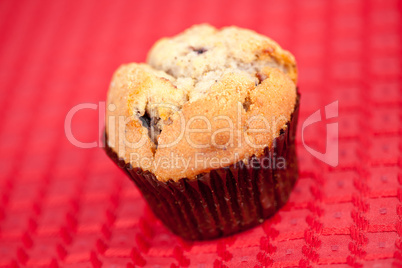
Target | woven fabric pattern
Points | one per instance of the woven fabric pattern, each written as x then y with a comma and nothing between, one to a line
64,206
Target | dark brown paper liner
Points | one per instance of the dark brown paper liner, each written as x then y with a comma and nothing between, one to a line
225,200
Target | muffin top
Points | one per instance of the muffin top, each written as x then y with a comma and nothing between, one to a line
205,99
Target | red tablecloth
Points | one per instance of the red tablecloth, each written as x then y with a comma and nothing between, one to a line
63,206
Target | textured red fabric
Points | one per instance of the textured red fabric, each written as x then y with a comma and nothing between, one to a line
63,206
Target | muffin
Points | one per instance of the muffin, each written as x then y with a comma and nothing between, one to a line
206,129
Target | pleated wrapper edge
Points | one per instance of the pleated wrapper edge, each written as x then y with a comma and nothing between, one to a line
222,201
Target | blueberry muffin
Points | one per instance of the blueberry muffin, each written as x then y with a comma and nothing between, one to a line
206,129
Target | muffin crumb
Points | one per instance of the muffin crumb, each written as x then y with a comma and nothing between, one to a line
202,71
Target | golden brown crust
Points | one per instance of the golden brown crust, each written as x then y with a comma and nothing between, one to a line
228,47
229,113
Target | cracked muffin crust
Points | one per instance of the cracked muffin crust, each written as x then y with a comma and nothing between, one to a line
204,94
